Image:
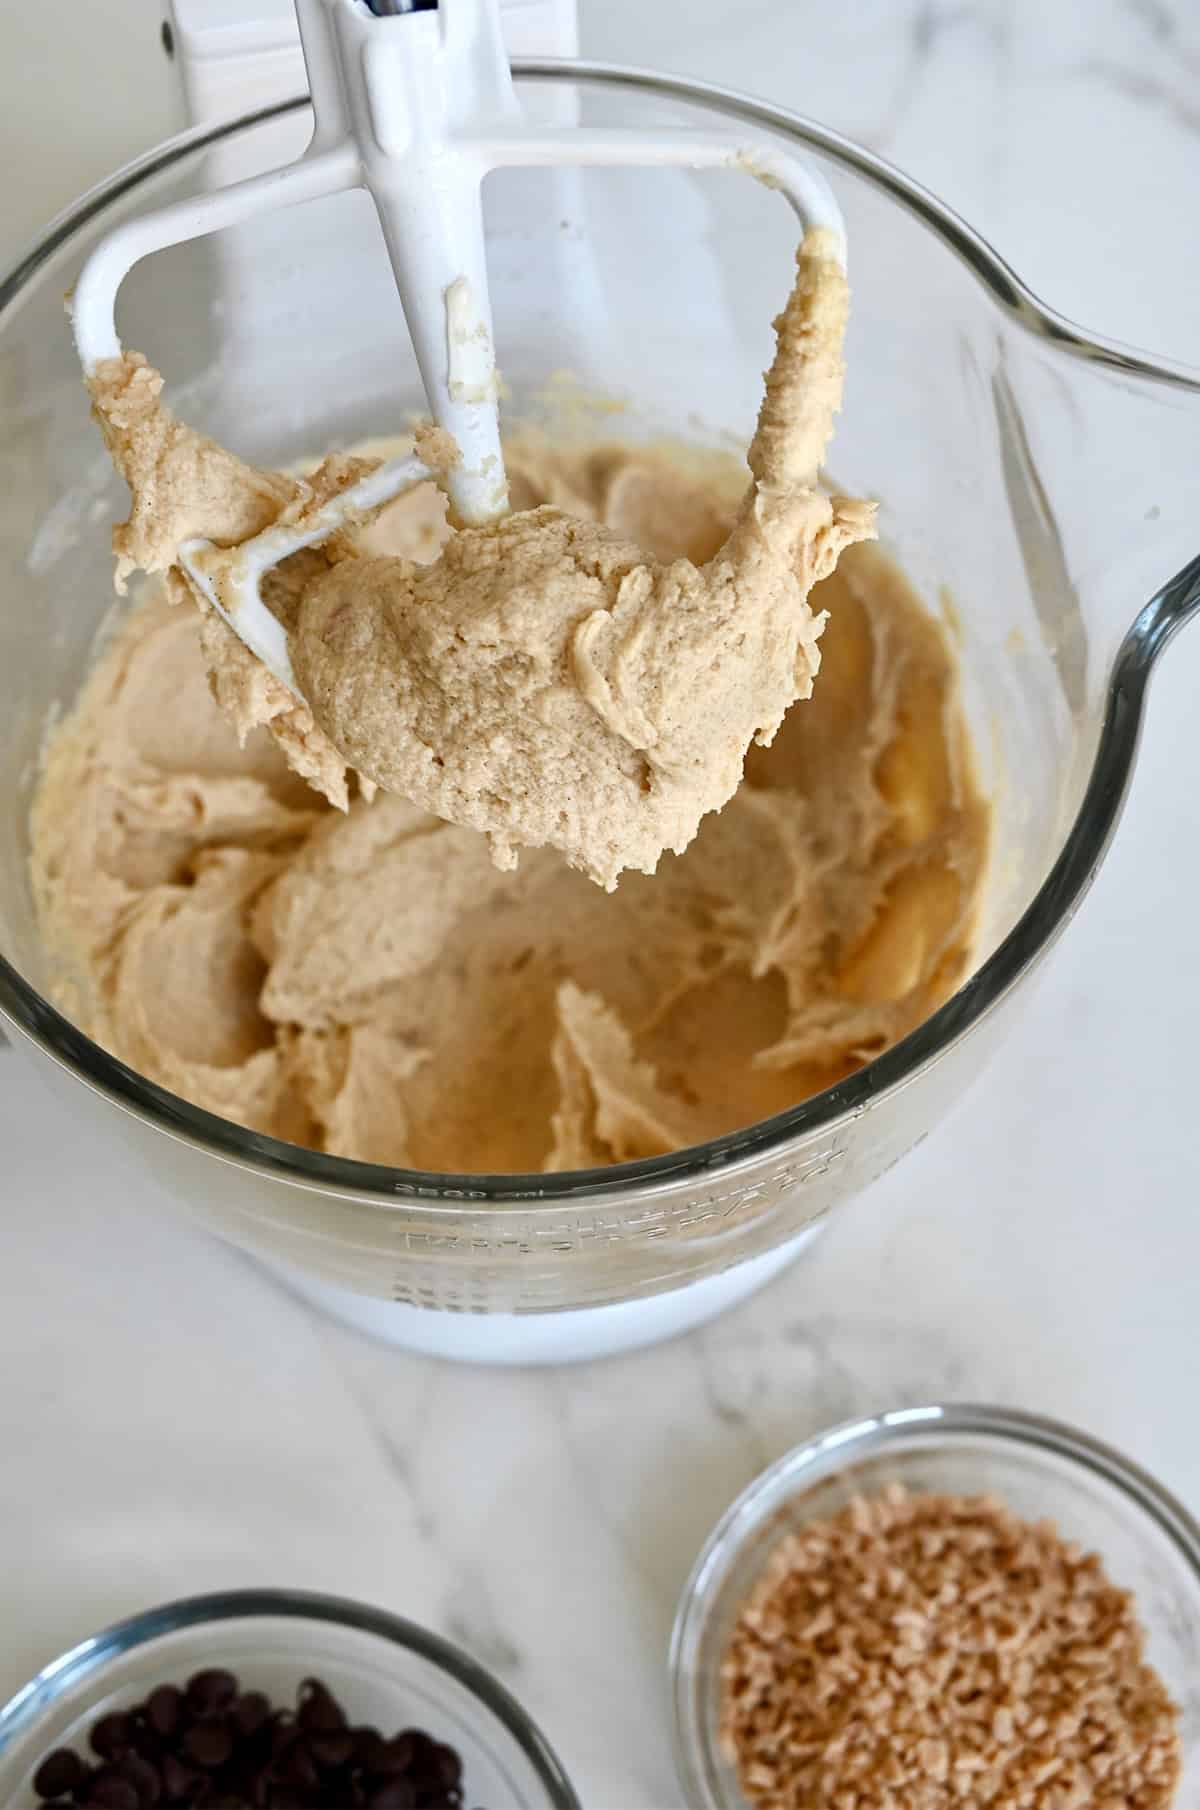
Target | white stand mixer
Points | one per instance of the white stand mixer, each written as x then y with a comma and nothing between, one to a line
448,71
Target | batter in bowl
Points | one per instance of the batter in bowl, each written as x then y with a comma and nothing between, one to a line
234,910
370,983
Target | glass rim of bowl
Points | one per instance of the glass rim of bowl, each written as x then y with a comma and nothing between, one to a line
865,1437
440,1194
21,1714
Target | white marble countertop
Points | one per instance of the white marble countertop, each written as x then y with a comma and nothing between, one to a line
171,1421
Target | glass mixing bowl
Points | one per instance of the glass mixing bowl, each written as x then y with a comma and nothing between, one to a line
1148,1542
1037,479
383,1670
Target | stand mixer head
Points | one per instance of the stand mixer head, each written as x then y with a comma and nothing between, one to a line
416,105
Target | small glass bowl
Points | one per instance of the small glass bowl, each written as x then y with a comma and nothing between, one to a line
1148,1542
384,1670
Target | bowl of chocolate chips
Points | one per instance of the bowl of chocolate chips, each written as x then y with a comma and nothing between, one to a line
272,1700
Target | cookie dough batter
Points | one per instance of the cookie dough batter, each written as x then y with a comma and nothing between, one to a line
543,681
370,983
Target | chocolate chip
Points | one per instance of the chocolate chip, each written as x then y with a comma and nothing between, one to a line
298,1767
110,1736
391,1757
109,1791
318,1711
396,1794
177,1779
143,1740
368,1745
208,1744
58,1773
163,1710
250,1713
283,1732
258,1790
449,1766
332,1750
143,1777
210,1691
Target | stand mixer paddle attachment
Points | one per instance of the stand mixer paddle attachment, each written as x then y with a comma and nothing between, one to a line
416,104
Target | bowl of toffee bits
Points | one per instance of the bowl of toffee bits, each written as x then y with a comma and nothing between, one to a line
943,1608
272,1700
